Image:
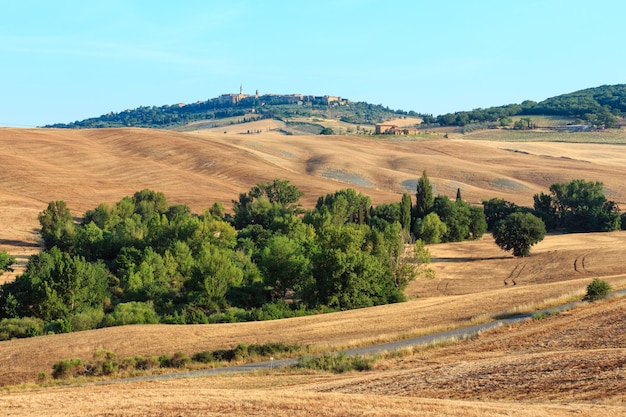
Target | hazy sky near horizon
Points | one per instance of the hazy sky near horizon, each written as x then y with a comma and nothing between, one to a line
69,60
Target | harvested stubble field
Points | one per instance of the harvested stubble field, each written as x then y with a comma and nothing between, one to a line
568,364
571,363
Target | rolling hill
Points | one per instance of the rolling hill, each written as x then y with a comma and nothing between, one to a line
87,167
545,367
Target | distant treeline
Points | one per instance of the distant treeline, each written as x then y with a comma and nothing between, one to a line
600,107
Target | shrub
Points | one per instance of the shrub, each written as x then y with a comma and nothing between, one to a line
128,363
20,328
87,320
67,368
232,315
243,351
165,361
133,312
105,363
145,364
179,360
203,357
597,290
58,326
335,362
269,349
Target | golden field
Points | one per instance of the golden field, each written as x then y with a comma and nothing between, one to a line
570,363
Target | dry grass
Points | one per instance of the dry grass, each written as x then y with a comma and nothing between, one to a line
87,167
568,364
577,355
199,398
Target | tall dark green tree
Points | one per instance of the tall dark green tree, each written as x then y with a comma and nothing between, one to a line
497,209
56,285
387,213
518,232
424,198
405,212
456,217
284,266
579,206
347,206
57,226
478,224
6,261
264,202
346,274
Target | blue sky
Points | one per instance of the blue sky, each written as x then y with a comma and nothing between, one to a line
69,60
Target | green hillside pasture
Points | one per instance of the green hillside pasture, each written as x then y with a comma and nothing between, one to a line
609,136
303,128
546,121
340,127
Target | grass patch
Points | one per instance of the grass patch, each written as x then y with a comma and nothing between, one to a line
545,314
106,364
570,297
336,362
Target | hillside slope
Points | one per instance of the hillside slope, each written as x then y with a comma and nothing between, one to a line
87,167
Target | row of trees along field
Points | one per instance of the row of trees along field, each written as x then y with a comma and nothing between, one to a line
145,261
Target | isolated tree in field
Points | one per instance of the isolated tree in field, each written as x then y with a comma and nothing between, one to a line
597,290
518,232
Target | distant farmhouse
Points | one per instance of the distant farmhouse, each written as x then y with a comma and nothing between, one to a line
389,129
299,99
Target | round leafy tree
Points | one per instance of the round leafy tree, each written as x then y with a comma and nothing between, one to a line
597,290
518,232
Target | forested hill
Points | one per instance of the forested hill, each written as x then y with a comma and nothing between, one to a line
244,108
601,106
